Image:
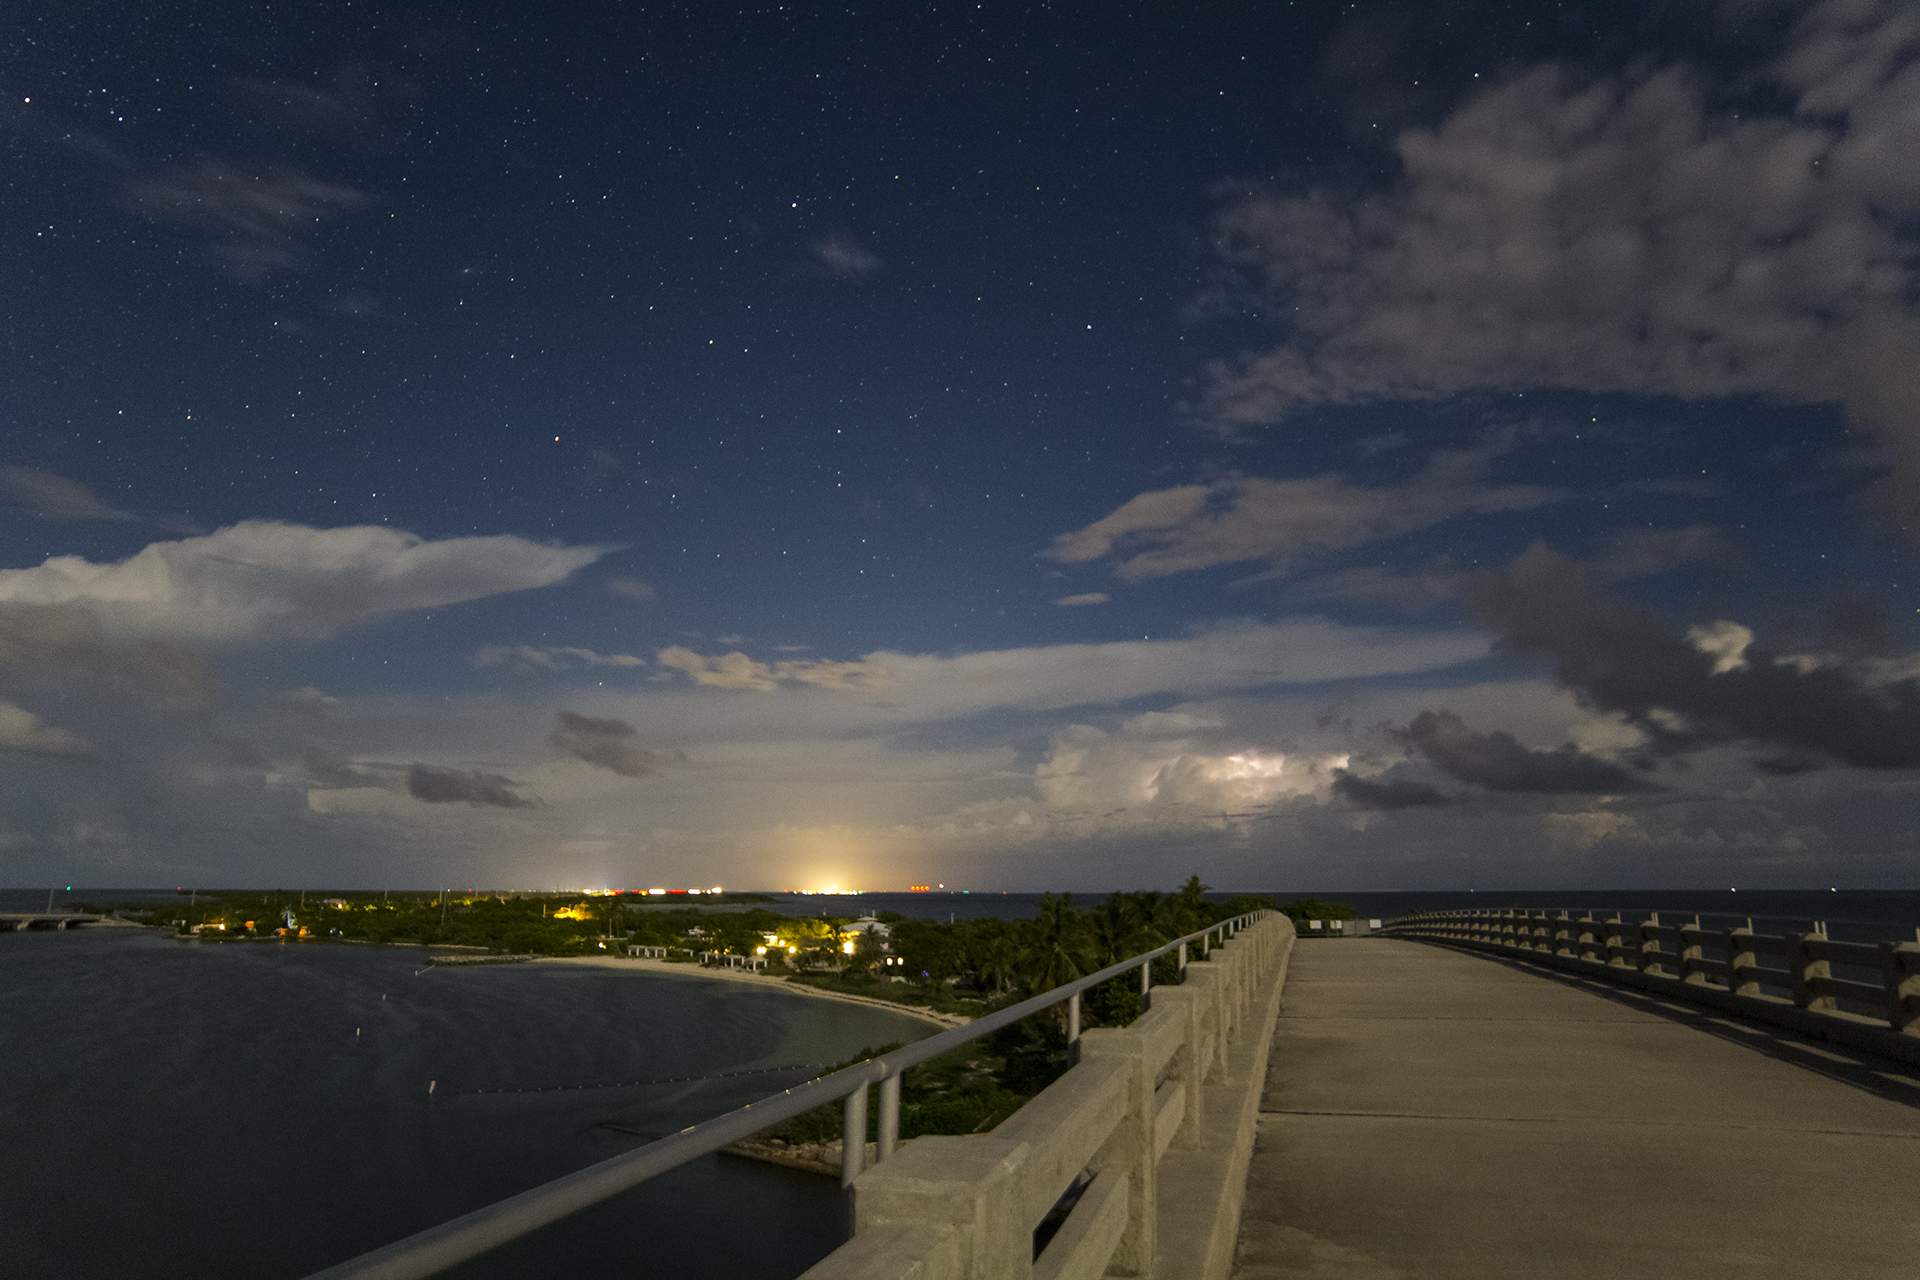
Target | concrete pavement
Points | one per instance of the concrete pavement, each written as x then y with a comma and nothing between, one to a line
1434,1113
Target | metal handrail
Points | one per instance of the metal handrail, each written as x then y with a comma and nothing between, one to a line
437,1248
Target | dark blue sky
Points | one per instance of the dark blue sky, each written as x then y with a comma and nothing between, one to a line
1046,446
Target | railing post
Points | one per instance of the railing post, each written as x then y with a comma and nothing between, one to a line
1743,965
889,1116
853,1137
1183,961
1649,962
1901,965
1146,986
1803,969
1690,953
1073,1029
1588,947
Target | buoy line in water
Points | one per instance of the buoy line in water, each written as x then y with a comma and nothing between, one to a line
634,1084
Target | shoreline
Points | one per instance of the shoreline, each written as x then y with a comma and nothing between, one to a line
942,1020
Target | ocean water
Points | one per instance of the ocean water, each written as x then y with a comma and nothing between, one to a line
263,1109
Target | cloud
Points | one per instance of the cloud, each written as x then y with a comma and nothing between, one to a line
738,671
525,657
54,497
1241,518
1079,601
1715,685
68,640
629,588
262,580
451,786
1641,553
605,744
1614,235
1386,793
308,701
23,731
1093,779
260,220
1498,762
330,765
1239,656
842,259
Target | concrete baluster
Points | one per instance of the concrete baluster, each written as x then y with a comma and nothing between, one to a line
1073,1029
889,1136
853,1136
1803,968
1616,943
1900,963
1129,1152
1743,964
1649,957
1146,986
1690,953
1589,944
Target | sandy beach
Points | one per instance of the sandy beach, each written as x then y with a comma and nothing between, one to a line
762,980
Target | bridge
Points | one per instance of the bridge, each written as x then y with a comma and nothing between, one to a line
1480,1095
1435,1112
14,921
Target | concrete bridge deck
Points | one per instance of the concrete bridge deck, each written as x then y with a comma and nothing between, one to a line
1436,1113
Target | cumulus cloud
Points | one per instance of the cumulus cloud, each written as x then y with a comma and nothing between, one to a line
1126,780
262,580
605,744
53,497
843,259
1715,685
1240,518
526,657
1619,235
1498,762
737,671
469,786
23,731
1079,601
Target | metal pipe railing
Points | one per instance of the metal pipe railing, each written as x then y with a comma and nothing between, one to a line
469,1235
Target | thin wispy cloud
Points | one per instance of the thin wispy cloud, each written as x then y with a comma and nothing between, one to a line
53,497
1281,522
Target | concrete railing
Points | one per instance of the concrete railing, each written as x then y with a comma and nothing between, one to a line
1134,1162
1214,1056
1718,967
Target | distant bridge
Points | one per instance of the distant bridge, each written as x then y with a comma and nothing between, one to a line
14,921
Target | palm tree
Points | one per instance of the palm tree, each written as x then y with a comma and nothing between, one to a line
1060,950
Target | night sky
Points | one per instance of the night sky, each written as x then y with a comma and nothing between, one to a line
1379,445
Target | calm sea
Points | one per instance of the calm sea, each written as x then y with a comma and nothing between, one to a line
260,1109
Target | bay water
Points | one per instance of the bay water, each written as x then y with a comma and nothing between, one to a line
173,1109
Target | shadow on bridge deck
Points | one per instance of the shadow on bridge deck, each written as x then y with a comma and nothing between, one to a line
1435,1113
